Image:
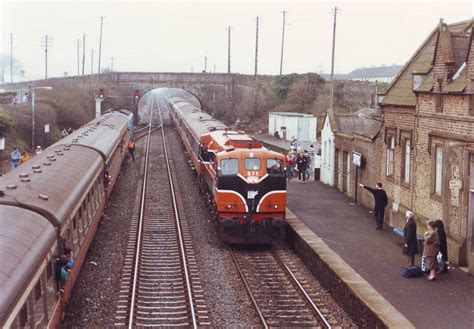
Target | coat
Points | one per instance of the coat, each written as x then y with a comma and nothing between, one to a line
380,197
431,245
409,238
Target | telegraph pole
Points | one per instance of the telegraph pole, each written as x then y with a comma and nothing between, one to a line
282,41
92,61
205,64
46,43
78,57
228,48
100,42
331,100
112,64
256,47
83,52
11,57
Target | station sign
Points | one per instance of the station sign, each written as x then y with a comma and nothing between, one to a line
357,159
2,143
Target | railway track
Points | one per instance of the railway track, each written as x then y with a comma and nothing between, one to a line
279,297
160,285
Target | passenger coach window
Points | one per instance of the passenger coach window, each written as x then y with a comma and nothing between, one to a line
252,164
229,166
275,167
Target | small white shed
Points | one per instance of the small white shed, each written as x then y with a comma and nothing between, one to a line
291,124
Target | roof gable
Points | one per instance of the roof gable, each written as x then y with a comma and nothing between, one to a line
400,91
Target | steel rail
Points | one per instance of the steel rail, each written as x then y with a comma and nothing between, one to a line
140,227
249,291
179,229
303,292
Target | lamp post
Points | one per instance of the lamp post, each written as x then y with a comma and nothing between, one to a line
33,114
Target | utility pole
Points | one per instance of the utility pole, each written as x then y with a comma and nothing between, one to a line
83,52
282,41
100,42
228,48
331,100
112,64
11,57
205,64
256,47
214,68
78,57
92,61
46,42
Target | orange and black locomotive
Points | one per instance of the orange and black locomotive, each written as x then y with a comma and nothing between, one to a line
243,182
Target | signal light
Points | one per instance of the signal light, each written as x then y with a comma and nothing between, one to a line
101,93
136,94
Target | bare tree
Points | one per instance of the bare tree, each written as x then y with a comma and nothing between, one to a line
18,71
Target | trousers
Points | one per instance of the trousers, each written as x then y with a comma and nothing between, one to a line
379,213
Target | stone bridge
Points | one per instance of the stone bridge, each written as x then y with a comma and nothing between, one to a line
218,92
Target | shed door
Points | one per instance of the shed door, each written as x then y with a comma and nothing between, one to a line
303,129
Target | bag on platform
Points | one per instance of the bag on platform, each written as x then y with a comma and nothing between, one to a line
412,272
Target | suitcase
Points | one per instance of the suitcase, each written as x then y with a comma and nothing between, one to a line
412,272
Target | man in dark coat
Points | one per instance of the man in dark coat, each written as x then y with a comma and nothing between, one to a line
381,201
410,243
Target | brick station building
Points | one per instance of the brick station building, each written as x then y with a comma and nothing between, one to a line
427,153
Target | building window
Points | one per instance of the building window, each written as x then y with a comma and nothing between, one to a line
406,155
438,170
390,154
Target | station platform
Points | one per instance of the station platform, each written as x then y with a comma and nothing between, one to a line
376,255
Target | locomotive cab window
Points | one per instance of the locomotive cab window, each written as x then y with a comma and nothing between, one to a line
204,154
275,167
229,167
252,164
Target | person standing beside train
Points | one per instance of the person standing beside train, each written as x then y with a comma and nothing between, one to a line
15,157
131,149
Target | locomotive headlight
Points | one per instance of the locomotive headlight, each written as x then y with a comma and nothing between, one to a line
228,206
276,206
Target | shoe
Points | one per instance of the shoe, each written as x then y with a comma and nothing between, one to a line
377,228
430,279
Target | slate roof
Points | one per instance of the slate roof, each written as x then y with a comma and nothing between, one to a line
375,72
353,124
366,73
400,91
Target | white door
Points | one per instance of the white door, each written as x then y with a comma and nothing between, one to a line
470,221
303,130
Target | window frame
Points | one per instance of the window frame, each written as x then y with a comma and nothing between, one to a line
228,159
282,166
406,154
251,169
390,154
437,170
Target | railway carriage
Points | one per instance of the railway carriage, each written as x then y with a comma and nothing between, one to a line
243,182
51,202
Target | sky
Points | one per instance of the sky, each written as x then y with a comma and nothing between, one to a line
176,36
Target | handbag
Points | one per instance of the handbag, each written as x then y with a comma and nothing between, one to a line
439,259
423,263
